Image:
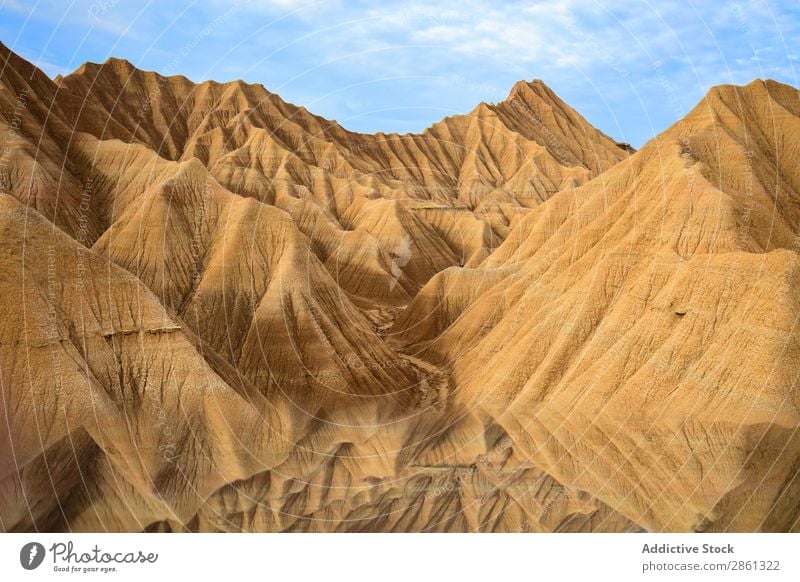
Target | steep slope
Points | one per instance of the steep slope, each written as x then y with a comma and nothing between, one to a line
636,337
35,165
244,278
115,419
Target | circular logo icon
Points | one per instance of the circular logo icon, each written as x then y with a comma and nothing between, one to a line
31,555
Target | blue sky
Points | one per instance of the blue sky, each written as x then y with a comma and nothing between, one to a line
632,67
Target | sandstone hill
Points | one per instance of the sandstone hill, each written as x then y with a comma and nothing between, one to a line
225,313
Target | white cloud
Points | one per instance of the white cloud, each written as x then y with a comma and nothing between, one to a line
442,34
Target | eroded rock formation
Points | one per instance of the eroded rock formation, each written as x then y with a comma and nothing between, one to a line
224,313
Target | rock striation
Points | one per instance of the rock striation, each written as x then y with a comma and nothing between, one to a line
225,313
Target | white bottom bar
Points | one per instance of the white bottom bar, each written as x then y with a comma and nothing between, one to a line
382,557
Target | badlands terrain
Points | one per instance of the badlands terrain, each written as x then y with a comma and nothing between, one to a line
221,312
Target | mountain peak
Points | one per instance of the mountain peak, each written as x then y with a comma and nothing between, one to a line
742,105
113,65
757,86
530,90
119,63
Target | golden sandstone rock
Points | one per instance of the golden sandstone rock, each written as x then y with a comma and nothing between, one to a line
224,313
